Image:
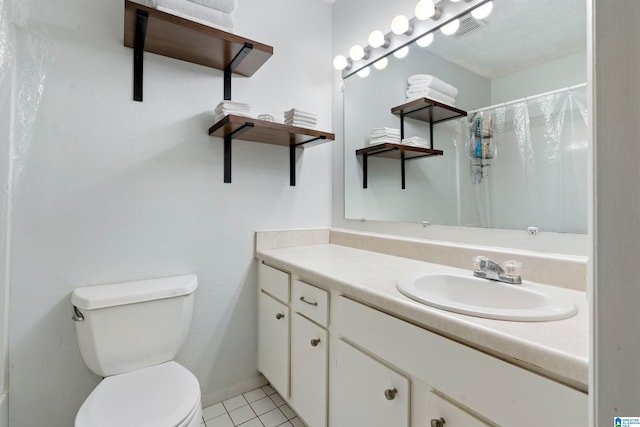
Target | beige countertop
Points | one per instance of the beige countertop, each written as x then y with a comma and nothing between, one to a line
556,349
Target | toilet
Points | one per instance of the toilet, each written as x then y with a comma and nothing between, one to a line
129,333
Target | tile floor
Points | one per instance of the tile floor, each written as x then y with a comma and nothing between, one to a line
262,407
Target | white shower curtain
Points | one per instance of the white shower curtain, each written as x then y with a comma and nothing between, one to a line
538,173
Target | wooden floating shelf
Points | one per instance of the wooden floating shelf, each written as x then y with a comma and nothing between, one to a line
190,41
428,110
395,151
268,132
249,129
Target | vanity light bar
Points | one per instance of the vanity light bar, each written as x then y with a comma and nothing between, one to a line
448,12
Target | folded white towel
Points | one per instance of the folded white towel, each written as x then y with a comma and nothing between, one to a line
226,6
298,123
416,141
299,113
431,94
198,13
434,83
385,130
219,116
384,140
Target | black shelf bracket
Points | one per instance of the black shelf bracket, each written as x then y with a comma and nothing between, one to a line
292,157
142,17
365,169
227,149
229,69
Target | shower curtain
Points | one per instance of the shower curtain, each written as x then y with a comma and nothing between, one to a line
533,172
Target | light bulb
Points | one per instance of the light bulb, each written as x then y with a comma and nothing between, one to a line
425,41
381,64
356,52
340,62
482,11
377,39
425,9
364,72
401,53
455,1
450,28
400,25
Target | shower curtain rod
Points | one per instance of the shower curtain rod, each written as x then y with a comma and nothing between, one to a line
516,101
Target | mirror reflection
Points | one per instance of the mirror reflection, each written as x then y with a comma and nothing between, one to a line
517,159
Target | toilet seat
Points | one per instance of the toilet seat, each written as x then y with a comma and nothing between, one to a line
161,395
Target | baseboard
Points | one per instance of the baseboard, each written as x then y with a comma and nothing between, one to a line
4,410
231,391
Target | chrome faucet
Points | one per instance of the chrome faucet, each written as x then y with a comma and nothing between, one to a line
487,269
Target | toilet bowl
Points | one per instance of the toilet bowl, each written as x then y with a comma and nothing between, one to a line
129,333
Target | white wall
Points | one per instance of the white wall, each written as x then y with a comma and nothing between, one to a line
551,75
117,190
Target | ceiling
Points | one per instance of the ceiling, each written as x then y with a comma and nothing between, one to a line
518,34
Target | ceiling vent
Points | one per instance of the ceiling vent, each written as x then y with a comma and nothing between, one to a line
469,25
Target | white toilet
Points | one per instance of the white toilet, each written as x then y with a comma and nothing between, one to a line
129,333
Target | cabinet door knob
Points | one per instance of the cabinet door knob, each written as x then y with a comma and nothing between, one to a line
438,423
315,342
313,303
279,316
390,393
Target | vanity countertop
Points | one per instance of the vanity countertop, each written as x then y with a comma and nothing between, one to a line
555,349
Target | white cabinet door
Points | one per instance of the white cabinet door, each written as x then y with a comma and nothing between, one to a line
428,407
309,371
364,392
273,342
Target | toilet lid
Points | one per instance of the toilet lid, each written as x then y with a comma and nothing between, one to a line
161,395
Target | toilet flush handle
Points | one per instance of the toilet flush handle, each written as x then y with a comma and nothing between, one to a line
77,315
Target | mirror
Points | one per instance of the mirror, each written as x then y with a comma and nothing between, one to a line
520,73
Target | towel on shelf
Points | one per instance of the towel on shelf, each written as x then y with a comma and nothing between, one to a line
226,6
383,135
433,94
300,118
433,83
417,141
384,140
225,108
198,13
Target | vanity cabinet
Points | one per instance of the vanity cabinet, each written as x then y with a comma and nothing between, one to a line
365,392
293,342
273,328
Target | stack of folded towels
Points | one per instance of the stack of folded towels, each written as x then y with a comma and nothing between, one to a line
384,135
213,13
416,141
229,107
428,86
299,118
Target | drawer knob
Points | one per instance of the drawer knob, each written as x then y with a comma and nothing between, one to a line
315,342
279,316
438,423
390,393
313,303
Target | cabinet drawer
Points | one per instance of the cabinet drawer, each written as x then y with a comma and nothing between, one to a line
274,282
427,405
310,301
498,390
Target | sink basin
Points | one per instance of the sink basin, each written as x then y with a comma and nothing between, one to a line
487,298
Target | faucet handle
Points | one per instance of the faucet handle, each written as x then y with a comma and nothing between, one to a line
512,268
480,263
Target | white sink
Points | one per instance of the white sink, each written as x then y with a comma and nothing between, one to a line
487,298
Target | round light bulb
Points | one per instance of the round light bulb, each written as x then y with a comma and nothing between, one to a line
425,41
425,9
340,62
455,1
381,64
376,39
400,24
401,53
364,72
450,28
482,11
356,52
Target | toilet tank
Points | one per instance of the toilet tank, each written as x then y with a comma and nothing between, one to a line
132,325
